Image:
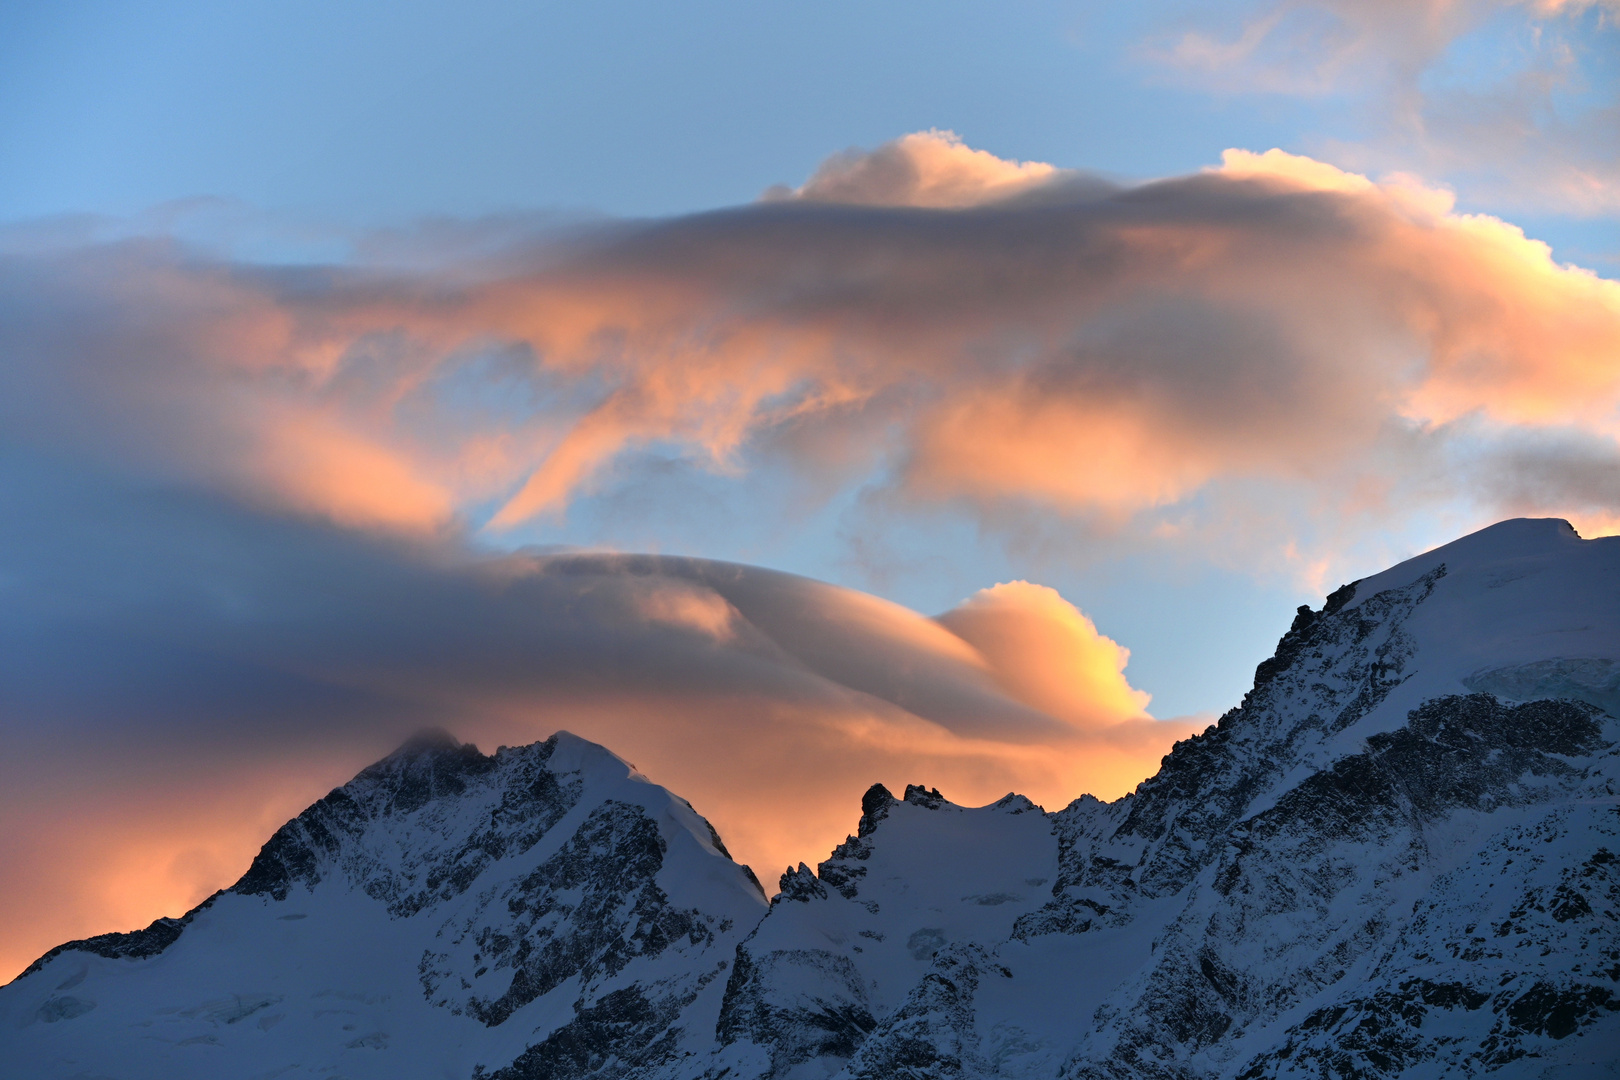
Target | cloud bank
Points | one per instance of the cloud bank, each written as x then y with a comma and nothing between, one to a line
1124,356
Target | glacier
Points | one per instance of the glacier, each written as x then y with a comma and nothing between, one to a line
1399,856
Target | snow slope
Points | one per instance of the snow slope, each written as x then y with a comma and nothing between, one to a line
1399,856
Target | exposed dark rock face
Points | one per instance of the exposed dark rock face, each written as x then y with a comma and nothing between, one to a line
932,1035
917,795
133,945
422,780
1455,752
585,912
1494,967
801,885
1305,890
874,808
623,1034
773,1000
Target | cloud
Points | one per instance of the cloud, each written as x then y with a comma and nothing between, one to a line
933,169
1044,652
1317,46
1122,356
1567,468
1511,101
181,673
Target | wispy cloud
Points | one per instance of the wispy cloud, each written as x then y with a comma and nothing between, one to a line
1515,102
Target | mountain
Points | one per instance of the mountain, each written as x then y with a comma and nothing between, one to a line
1399,856
427,919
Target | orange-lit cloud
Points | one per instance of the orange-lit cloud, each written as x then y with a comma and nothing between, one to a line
1048,341
1046,653
242,665
1539,346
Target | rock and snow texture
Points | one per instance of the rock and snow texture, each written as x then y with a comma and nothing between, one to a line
1396,857
1400,856
850,959
542,912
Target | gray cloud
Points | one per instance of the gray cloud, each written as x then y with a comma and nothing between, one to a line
1530,471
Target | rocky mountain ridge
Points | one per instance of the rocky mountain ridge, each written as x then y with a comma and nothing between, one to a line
1399,856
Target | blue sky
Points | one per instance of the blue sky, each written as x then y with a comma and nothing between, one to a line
366,112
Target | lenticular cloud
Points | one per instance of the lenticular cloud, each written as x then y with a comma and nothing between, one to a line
198,674
1000,337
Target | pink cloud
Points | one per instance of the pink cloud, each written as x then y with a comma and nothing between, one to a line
1094,351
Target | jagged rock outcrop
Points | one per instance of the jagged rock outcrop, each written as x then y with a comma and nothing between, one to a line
1300,890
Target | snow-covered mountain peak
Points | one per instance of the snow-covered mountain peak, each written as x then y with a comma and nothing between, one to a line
1265,904
443,911
575,754
1524,595
1502,543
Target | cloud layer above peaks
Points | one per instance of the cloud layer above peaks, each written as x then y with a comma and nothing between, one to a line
927,321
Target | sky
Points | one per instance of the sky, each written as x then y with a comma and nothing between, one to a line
789,398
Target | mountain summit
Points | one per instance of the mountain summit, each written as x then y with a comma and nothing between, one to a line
1399,856
428,918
